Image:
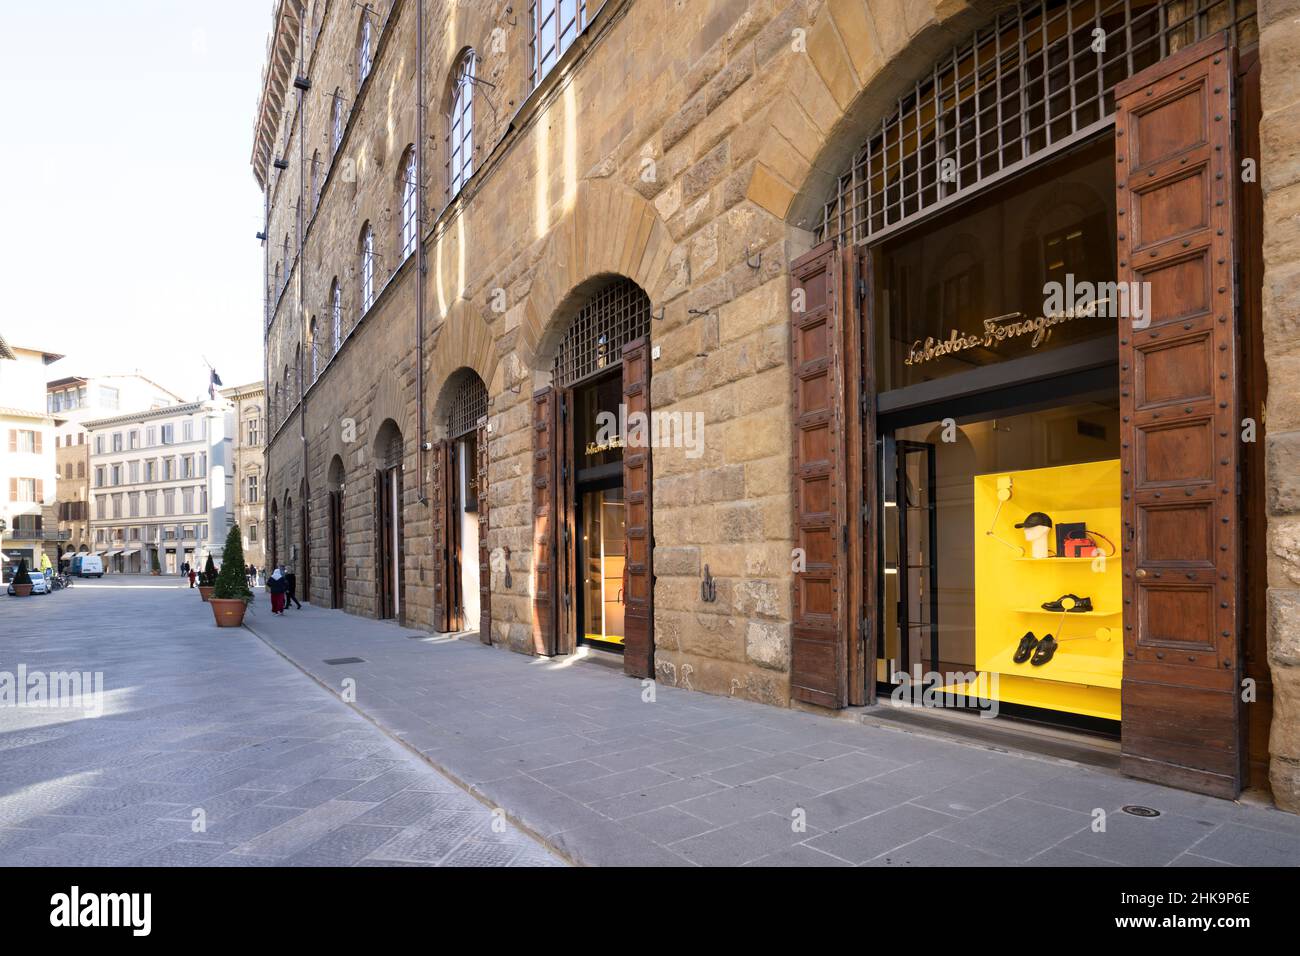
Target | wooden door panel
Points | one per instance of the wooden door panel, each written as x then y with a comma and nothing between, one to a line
1178,405
638,592
484,553
438,509
545,506
818,651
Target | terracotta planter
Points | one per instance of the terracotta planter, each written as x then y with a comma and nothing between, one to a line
155,573
22,590
229,612
206,592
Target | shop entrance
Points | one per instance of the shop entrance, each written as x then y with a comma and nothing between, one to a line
335,514
462,573
593,539
389,532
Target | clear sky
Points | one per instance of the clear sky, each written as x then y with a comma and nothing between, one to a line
128,205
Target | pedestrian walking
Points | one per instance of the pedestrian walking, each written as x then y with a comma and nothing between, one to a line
192,576
276,585
291,592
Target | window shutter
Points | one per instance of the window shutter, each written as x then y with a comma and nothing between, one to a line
638,567
441,561
818,672
545,507
1175,177
40,490
484,554
13,441
38,442
13,489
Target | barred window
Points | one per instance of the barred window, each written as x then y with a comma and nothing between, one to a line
1040,77
409,204
336,313
336,122
367,268
460,125
364,58
311,343
468,405
616,315
556,24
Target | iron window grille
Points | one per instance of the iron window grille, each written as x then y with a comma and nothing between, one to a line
408,206
556,24
468,405
460,126
616,315
336,122
336,314
363,47
367,269
1040,77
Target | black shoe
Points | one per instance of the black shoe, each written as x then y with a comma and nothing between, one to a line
1082,605
1043,653
1027,645
1058,604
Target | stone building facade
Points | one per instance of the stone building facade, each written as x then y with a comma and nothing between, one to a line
687,147
248,453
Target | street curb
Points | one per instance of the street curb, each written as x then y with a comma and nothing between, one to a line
468,788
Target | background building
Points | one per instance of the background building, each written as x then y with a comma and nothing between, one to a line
485,224
27,456
161,486
249,451
71,401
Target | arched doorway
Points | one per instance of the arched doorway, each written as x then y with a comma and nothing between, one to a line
389,532
273,537
592,479
335,479
462,593
304,541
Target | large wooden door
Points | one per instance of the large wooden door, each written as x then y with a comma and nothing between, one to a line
638,568
1175,178
383,544
441,565
336,548
451,521
819,632
545,506
484,554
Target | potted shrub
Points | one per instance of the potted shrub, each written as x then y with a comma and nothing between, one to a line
155,567
22,580
230,595
207,579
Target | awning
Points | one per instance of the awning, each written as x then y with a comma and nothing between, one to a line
114,554
127,554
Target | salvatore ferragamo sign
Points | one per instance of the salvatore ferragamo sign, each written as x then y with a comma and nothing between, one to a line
1088,300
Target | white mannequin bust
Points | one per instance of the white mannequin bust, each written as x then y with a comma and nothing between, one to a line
1036,538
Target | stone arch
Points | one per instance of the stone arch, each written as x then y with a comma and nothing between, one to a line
389,446
610,231
861,56
450,388
336,475
387,405
464,341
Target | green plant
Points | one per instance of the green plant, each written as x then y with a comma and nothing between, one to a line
153,558
231,583
22,577
209,576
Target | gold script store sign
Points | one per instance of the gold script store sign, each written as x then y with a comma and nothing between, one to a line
998,329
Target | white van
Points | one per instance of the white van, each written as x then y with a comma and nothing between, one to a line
92,566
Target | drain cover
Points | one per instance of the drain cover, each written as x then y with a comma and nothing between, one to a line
345,660
1141,811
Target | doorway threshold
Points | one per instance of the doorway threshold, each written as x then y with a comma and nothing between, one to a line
998,733
586,654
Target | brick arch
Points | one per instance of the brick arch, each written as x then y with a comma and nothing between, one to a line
861,55
610,231
464,340
387,404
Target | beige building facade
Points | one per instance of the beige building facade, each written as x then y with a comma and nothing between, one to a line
249,468
27,456
704,210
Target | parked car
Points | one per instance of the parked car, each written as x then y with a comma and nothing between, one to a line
88,566
40,583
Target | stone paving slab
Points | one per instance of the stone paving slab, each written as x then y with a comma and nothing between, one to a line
570,750
198,718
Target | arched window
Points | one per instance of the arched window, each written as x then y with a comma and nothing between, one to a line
277,405
367,268
336,314
315,179
288,392
285,273
409,204
364,60
311,344
297,371
556,24
618,313
460,125
336,122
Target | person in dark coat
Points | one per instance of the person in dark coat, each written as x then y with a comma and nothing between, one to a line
291,593
277,586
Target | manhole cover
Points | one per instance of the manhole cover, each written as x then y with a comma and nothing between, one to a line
1141,811
345,660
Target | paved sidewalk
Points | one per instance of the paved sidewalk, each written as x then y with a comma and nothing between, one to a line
570,750
208,725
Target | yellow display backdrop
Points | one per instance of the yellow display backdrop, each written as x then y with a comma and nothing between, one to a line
1083,676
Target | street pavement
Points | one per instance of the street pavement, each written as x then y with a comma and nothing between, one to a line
319,738
211,749
575,752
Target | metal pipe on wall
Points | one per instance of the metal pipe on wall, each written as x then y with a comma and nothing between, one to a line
421,262
302,304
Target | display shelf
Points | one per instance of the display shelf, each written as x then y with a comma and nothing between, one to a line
1069,614
1062,560
1083,660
